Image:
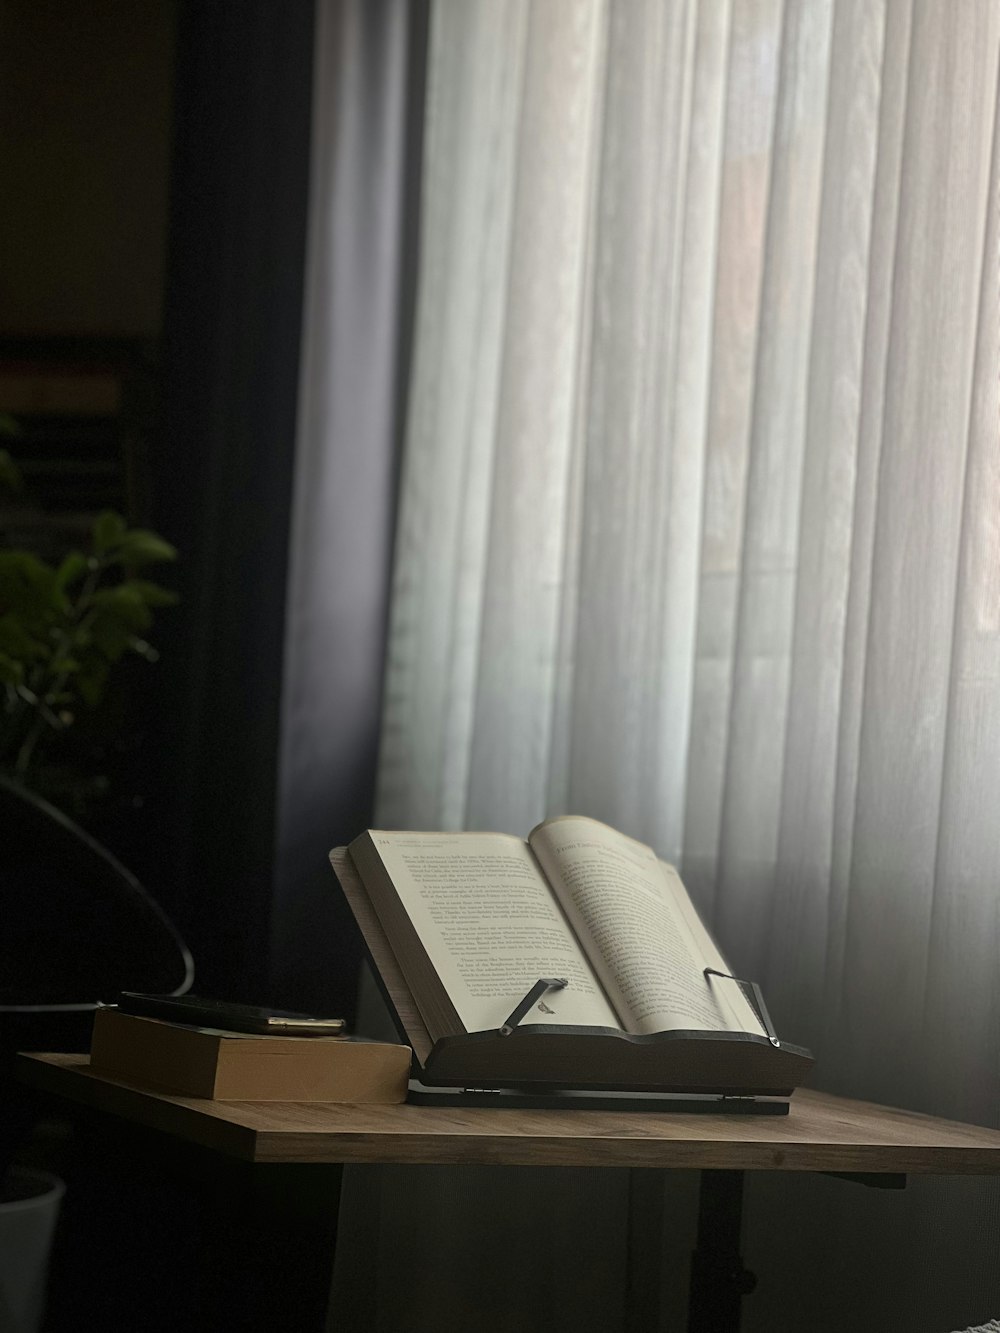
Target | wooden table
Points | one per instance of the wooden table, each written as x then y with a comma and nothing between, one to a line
874,1144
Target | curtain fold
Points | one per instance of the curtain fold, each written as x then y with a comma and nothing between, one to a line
357,315
699,531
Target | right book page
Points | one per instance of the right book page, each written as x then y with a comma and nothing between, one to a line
637,925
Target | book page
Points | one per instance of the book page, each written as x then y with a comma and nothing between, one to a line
729,995
639,929
491,927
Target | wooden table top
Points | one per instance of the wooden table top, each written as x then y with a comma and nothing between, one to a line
821,1132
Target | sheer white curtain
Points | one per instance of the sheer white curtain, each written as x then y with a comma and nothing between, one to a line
700,518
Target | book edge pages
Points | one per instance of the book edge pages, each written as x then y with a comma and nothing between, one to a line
381,953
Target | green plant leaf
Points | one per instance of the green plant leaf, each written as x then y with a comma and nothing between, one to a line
73,567
28,585
110,637
91,682
124,604
141,547
152,594
11,670
10,475
18,640
108,531
25,565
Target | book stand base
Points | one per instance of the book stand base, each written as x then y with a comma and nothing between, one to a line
566,1099
664,1071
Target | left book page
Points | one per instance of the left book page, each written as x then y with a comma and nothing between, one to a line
473,924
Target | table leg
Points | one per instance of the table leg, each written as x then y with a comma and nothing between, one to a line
718,1279
643,1278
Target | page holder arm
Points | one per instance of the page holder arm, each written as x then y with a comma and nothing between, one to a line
542,985
750,989
754,995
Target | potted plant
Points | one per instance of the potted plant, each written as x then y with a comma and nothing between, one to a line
78,925
64,628
29,1208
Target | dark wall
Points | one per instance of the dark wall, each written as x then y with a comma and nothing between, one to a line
85,108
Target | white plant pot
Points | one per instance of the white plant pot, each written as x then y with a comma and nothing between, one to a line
29,1207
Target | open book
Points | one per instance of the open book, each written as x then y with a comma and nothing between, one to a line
462,925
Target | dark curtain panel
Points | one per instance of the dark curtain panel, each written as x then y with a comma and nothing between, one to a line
224,476
284,550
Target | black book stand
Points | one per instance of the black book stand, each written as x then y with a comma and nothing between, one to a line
706,1054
